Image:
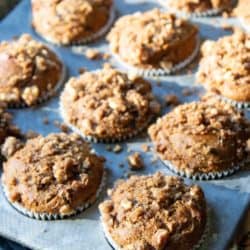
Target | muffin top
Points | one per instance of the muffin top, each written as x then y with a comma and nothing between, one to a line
28,70
67,21
242,11
202,137
54,175
190,6
6,126
225,66
154,212
150,38
108,103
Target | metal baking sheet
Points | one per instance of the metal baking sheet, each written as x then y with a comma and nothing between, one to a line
227,204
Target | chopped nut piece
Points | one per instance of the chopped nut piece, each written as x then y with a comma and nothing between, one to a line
135,161
117,148
145,147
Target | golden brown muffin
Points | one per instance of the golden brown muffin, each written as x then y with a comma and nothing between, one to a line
153,39
107,104
242,11
67,21
198,6
29,71
154,213
54,175
202,137
224,67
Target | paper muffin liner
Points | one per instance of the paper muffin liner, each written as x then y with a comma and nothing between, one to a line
159,71
203,176
93,37
183,14
197,246
46,95
236,104
46,216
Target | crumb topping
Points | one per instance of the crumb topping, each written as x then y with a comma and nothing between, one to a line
28,69
55,174
66,21
190,6
108,104
152,39
154,213
202,137
225,66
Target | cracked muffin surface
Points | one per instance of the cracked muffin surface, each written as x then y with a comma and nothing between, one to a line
198,6
202,137
56,174
28,71
225,66
153,39
69,21
108,104
153,213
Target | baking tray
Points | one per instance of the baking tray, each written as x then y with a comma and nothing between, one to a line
228,199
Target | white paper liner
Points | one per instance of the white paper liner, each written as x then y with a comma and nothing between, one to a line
159,71
45,216
203,176
239,105
100,33
46,95
204,236
207,13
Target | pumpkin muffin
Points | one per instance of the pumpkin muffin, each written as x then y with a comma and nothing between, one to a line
153,40
29,72
224,68
154,212
108,105
243,12
205,139
198,6
70,22
53,177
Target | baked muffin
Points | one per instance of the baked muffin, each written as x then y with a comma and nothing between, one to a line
70,22
108,105
224,67
202,140
205,7
243,12
53,177
154,212
29,72
154,40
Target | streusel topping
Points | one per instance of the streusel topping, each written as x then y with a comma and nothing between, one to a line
225,66
108,104
66,21
206,136
28,70
154,212
55,174
152,39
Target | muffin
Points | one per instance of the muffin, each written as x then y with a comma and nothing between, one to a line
53,177
154,212
29,72
197,8
153,42
243,12
224,68
202,140
108,105
68,22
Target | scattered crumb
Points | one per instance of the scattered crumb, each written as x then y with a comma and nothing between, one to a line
108,148
145,147
62,126
172,100
31,134
93,54
117,148
82,70
105,56
135,161
188,91
227,27
45,120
